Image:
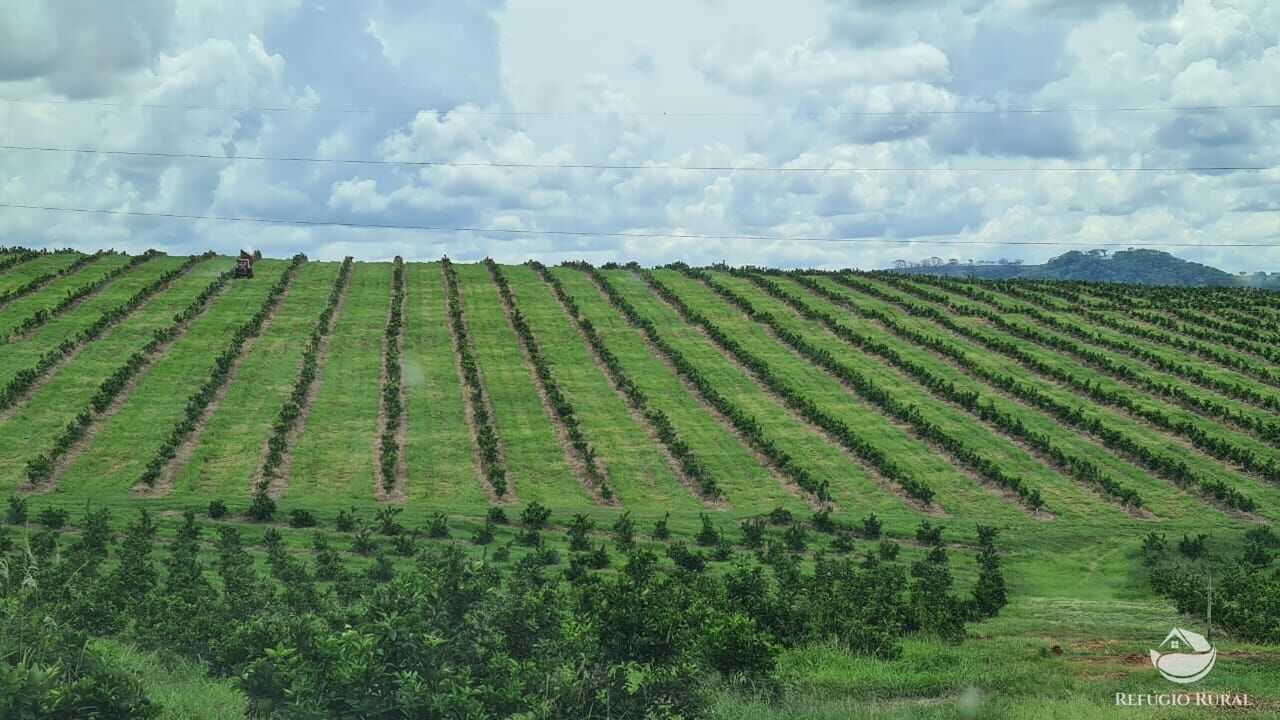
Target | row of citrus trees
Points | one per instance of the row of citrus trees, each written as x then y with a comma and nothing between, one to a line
41,468
1164,465
392,392
743,422
1010,423
24,379
1219,447
690,464
16,256
491,462
226,361
43,315
559,403
263,507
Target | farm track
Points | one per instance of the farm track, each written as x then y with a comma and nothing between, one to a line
73,300
893,486
31,380
633,410
1021,407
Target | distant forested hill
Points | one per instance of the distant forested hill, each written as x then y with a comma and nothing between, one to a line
1147,267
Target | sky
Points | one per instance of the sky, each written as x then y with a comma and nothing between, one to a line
730,84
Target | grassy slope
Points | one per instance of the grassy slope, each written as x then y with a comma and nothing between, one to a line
20,355
228,452
442,469
16,277
1061,496
34,425
747,484
1148,435
12,315
128,439
636,468
956,494
537,468
1156,495
334,455
1170,408
850,484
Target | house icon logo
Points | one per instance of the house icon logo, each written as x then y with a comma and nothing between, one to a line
1184,656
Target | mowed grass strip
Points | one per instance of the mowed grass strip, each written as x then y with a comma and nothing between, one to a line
15,313
749,487
442,468
116,457
226,457
334,455
24,273
17,356
636,468
1151,438
954,492
1063,498
36,422
849,482
536,465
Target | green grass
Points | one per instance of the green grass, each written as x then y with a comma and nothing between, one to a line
35,423
1076,580
127,439
748,485
1147,435
334,457
24,273
227,454
17,356
851,486
536,463
12,315
442,468
635,466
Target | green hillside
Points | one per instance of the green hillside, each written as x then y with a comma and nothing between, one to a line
1076,418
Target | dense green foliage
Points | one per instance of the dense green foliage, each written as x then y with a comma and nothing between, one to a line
446,636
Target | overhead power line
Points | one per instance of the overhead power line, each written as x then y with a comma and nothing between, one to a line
592,233
659,168
652,113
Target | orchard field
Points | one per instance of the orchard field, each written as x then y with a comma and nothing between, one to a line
1079,420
